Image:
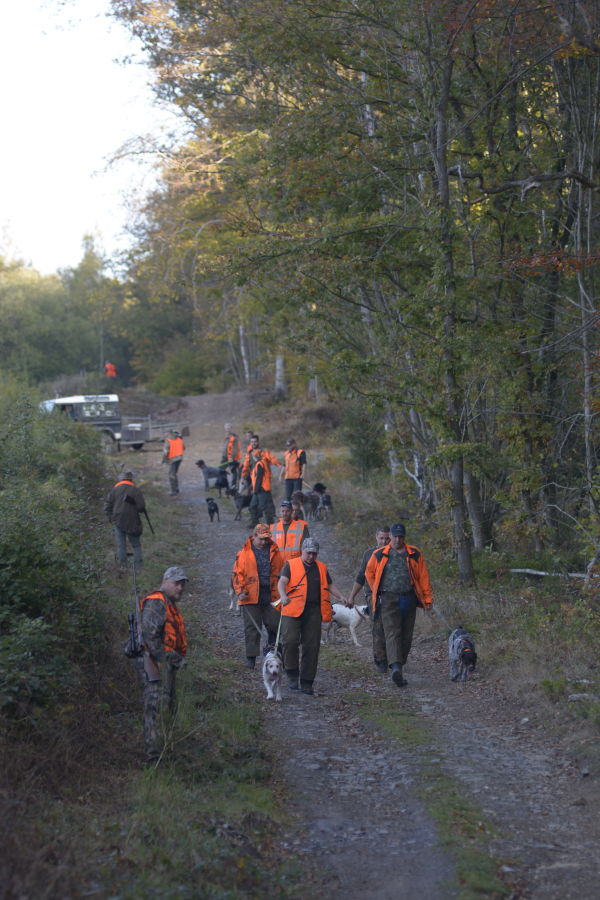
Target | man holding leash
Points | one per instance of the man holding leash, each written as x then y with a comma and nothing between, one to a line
255,573
124,506
382,537
305,590
289,533
399,582
165,646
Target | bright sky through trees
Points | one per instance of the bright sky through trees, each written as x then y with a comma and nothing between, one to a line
67,104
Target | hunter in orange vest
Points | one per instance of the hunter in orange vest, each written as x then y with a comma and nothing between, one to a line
255,573
399,582
305,591
295,468
257,469
110,370
165,646
173,450
232,454
289,533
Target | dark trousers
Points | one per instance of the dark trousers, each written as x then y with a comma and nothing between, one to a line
301,638
255,616
393,627
173,479
292,485
261,507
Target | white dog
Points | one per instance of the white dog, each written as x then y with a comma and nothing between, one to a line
272,674
343,617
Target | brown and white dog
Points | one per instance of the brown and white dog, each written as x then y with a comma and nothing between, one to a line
272,673
346,618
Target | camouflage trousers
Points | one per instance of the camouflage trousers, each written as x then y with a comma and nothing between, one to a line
160,706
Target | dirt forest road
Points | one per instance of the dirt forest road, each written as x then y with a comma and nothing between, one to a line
361,799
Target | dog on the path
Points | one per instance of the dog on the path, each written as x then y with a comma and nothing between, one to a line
241,498
213,509
213,473
272,673
342,617
461,651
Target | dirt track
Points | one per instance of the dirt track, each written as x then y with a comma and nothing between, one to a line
361,825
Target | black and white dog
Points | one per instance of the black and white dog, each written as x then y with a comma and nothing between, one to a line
272,673
461,651
212,473
213,509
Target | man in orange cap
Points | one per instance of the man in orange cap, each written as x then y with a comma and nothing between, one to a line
255,575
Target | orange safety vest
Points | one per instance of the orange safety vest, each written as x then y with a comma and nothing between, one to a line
245,573
110,370
289,543
266,455
233,448
293,468
176,447
124,482
417,570
297,586
174,631
262,464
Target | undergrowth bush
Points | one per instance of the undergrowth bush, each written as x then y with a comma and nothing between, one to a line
52,476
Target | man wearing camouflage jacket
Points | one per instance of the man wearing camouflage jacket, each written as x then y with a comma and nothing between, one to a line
165,645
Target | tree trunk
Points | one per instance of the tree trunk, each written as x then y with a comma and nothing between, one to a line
280,385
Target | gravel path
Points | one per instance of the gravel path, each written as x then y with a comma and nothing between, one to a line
364,831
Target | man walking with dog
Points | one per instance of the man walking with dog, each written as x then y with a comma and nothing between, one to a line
165,646
294,468
382,537
255,573
124,506
305,590
173,450
289,533
399,582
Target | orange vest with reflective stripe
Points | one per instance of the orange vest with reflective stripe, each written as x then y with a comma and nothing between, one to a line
293,468
245,573
176,447
289,543
174,631
124,482
296,590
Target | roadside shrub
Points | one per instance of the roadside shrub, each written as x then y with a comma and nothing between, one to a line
53,473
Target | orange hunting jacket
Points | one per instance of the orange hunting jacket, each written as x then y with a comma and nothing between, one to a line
416,569
245,573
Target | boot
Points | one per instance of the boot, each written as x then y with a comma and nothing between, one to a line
306,687
397,678
292,675
380,666
250,662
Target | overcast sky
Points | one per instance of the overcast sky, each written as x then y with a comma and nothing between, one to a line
66,106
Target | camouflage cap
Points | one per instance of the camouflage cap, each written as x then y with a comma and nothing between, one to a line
311,545
262,530
175,573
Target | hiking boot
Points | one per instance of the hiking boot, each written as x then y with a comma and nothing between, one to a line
250,662
380,666
397,678
292,675
306,687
